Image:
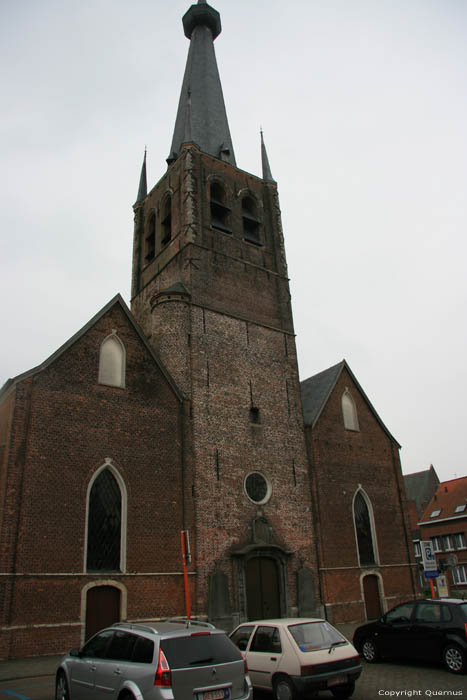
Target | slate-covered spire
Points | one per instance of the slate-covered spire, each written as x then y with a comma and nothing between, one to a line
201,116
267,175
143,185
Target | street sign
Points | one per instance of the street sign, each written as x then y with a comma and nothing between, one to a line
431,574
428,555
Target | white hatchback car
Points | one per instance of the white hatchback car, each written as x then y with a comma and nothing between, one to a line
298,656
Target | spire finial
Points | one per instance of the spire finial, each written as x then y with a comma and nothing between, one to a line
267,175
143,187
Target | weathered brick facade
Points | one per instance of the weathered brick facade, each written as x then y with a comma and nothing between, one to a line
59,426
343,462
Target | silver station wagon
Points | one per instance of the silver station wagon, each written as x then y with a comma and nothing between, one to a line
170,660
298,656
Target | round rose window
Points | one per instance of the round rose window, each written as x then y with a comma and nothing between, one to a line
257,487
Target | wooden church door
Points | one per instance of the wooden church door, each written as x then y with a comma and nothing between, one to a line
371,595
262,589
102,608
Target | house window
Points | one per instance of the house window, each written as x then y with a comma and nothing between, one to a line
459,574
220,212
112,362
251,222
460,509
150,243
435,513
349,411
166,221
104,524
364,530
459,540
447,544
436,544
417,550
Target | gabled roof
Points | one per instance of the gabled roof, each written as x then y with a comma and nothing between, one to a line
317,389
449,496
117,299
420,487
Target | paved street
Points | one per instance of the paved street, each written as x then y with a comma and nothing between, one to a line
386,680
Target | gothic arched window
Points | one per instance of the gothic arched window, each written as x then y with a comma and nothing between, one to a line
364,530
104,531
112,362
349,411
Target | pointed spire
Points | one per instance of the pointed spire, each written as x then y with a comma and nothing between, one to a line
201,116
143,186
267,175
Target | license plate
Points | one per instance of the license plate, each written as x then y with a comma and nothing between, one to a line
338,680
220,694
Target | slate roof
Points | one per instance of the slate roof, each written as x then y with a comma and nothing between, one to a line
420,487
117,299
201,116
317,389
449,495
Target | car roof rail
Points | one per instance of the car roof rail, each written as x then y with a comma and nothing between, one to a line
135,626
188,622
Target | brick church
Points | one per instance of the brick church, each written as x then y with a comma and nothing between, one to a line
186,413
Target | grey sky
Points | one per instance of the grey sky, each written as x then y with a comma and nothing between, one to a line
364,110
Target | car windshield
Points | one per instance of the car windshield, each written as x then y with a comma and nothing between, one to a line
315,635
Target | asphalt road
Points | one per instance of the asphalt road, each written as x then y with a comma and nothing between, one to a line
385,681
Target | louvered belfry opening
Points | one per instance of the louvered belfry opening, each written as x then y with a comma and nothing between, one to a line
104,524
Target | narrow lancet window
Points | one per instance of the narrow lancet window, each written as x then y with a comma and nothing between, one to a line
112,362
104,524
166,221
151,239
363,529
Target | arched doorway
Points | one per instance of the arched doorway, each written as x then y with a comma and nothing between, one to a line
102,608
262,588
371,597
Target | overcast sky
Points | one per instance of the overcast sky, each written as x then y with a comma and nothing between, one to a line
364,109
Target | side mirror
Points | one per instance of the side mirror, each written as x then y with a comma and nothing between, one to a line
75,652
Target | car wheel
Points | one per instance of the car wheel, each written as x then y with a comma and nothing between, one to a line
370,651
61,687
343,691
454,659
284,689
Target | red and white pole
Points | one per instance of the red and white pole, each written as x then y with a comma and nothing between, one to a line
186,557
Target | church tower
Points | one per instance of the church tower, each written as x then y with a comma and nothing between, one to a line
210,290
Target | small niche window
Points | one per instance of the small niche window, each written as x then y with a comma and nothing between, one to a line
112,362
349,411
257,488
166,221
220,212
251,222
150,248
254,415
